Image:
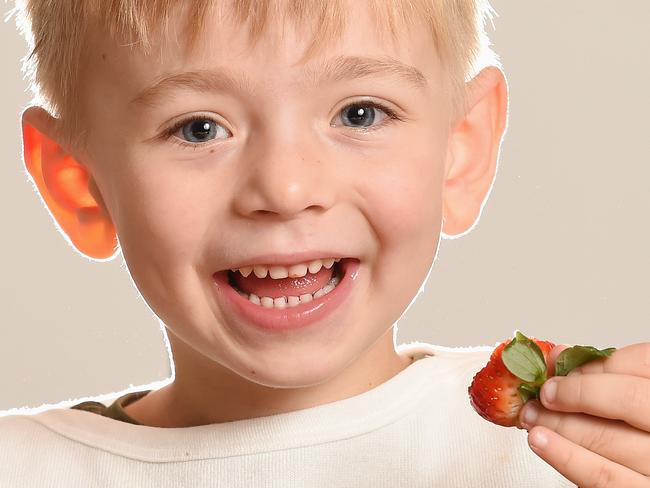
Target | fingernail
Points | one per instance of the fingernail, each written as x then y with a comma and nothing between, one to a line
538,440
548,390
531,413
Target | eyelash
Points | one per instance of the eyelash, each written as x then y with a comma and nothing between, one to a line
168,134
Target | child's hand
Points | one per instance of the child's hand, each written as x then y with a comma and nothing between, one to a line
603,439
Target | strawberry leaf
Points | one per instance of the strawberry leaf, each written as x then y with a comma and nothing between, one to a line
575,356
525,359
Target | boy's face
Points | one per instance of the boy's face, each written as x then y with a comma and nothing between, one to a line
285,169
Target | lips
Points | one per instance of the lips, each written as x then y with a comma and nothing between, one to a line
248,316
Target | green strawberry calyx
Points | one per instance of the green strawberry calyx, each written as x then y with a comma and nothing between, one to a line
524,359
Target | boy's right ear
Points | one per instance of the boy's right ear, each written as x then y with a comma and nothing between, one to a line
66,187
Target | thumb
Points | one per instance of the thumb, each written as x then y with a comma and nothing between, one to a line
552,357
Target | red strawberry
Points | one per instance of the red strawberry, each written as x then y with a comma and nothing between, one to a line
516,372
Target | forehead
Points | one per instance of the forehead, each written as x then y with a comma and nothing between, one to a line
276,58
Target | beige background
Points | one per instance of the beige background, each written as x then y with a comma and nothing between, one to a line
560,252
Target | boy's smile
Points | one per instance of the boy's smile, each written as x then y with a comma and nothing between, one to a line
253,161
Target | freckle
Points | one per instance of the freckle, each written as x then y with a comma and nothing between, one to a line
104,56
252,371
211,150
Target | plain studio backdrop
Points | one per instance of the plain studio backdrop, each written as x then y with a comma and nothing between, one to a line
560,251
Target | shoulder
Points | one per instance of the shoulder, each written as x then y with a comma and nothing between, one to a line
40,449
448,362
15,428
23,444
448,352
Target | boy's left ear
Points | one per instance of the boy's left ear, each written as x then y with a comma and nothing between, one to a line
473,151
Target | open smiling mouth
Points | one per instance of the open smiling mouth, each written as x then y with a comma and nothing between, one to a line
275,298
280,287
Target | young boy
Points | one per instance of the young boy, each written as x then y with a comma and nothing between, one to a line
279,204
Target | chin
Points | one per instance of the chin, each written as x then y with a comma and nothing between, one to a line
291,371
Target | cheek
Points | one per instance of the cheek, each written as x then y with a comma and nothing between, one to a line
402,204
162,216
404,200
163,225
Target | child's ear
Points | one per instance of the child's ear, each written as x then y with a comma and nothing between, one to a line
473,151
66,187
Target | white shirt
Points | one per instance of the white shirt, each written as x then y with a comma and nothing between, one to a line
417,429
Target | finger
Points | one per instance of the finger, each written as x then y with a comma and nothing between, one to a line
552,357
582,466
611,396
631,360
609,438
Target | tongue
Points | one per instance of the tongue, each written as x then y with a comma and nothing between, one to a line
268,287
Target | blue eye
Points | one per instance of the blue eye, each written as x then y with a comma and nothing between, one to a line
201,130
365,113
359,114
196,131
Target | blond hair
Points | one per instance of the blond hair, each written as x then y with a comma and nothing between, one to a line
56,30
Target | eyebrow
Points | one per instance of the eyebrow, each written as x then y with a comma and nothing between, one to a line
341,68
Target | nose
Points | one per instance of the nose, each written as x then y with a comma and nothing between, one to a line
284,177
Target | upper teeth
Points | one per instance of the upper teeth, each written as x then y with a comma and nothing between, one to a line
279,272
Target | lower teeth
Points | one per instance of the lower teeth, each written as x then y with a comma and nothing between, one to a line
292,301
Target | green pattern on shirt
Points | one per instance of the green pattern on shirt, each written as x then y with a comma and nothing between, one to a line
114,410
